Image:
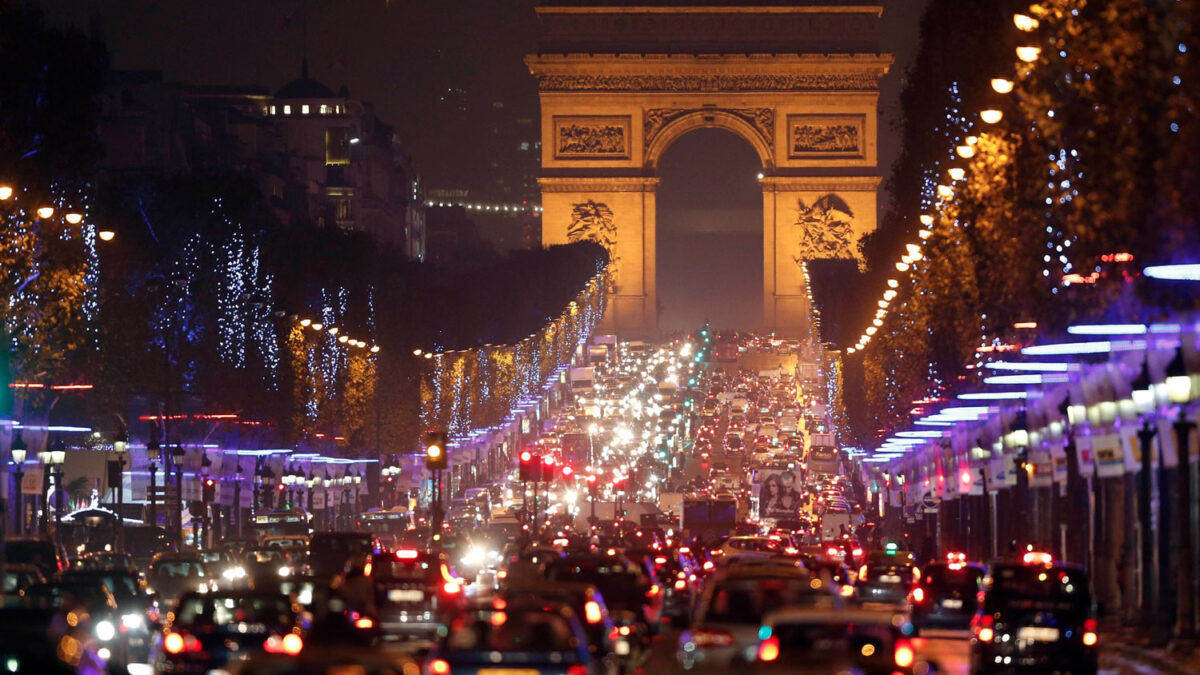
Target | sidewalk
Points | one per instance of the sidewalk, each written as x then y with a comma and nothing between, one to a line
1125,650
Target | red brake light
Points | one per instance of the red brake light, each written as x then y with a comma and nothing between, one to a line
832,550
364,623
1090,638
591,612
1038,558
577,670
452,588
918,594
439,667
406,554
680,584
768,650
654,591
858,552
983,628
289,644
175,643
660,561
904,654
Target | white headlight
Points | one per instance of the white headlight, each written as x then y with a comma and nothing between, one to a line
105,631
285,571
133,621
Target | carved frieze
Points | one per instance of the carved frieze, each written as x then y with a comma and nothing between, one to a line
762,119
591,137
716,82
826,136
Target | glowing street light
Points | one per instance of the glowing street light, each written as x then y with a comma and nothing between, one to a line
73,217
1025,23
965,151
957,172
106,235
991,115
926,219
1001,85
45,212
1029,54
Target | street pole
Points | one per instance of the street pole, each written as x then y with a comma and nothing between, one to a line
1185,609
1146,532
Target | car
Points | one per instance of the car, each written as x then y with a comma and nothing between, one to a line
105,561
49,558
262,563
627,590
173,574
330,552
314,660
946,595
30,640
604,643
137,608
887,577
729,612
94,599
1036,616
821,640
523,635
415,594
209,630
752,544
679,577
18,578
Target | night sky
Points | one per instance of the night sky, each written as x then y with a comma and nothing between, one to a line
434,69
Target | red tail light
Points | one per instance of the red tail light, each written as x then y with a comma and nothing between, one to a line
176,643
439,667
591,612
364,623
904,654
452,588
768,650
831,551
983,627
289,644
406,554
1090,638
577,670
918,594
653,592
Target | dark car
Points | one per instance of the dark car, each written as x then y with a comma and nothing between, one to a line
415,594
1036,616
588,605
209,630
32,640
17,579
527,636
93,598
122,562
946,595
137,608
625,588
814,641
329,553
679,579
887,577
44,555
172,574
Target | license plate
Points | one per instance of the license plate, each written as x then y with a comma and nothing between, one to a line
889,578
1038,634
952,604
622,648
405,596
507,671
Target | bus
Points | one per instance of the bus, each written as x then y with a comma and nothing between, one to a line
725,352
276,523
823,461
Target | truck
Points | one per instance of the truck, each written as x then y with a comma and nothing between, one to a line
582,380
597,354
823,461
708,519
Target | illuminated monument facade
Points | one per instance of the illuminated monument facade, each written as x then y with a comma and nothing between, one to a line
620,81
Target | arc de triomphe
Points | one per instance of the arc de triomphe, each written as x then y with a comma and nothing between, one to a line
620,81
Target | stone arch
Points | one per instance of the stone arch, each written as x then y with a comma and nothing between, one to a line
659,139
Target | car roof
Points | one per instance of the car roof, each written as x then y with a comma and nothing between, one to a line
798,614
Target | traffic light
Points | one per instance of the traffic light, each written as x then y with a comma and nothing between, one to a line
593,485
209,491
529,463
435,450
567,471
548,471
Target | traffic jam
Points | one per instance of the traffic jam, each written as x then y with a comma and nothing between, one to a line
687,509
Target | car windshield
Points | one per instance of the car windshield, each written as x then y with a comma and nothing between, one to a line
120,585
66,595
744,601
388,568
512,631
271,610
177,569
1036,588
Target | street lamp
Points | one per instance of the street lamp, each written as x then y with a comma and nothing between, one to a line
58,457
19,451
153,455
121,447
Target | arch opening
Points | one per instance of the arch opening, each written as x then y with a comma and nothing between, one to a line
709,215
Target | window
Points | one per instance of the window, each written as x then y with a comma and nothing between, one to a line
324,109
272,110
343,209
287,110
337,145
304,109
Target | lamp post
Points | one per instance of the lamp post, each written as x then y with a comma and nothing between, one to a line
121,447
357,495
346,480
58,457
237,497
1181,391
43,458
19,451
177,454
310,482
153,455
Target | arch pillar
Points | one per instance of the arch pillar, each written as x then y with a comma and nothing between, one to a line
620,213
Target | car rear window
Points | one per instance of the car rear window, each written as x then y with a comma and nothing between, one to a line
512,631
963,579
178,569
746,600
1036,588
121,586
